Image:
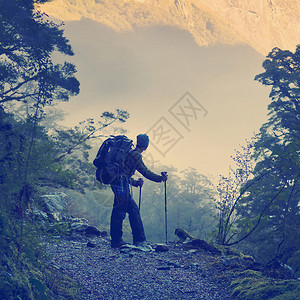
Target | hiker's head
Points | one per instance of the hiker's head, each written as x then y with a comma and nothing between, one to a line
142,141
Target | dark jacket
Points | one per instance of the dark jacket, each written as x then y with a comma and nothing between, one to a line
134,162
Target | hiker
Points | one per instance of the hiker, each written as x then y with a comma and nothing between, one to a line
123,201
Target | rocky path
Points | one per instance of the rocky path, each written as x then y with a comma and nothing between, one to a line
106,273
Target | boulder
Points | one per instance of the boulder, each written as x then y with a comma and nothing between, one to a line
161,248
86,229
79,220
55,205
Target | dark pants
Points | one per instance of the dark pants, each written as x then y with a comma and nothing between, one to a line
123,203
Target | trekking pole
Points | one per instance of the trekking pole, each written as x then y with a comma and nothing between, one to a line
140,197
166,211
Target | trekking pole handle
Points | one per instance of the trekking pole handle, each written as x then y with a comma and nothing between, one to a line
164,174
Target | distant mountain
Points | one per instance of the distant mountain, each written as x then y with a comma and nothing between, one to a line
261,24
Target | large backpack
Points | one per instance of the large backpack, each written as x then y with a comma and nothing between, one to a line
111,157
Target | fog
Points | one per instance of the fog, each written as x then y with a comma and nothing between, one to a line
148,70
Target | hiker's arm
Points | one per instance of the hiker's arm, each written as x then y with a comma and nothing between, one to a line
135,159
147,173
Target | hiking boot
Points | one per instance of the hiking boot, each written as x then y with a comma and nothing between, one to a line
118,245
144,246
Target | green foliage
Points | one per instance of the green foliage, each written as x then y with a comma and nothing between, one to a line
263,213
58,229
17,225
15,143
257,288
282,72
274,202
253,284
31,279
231,190
28,40
35,155
62,286
27,75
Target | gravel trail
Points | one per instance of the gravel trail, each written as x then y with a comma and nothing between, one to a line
106,273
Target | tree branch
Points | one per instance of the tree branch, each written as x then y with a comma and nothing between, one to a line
19,85
259,219
84,139
236,201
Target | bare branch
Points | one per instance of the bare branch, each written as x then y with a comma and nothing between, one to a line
259,219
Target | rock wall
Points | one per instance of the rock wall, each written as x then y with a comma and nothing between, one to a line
262,24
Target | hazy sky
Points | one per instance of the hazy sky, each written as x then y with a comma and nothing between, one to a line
148,71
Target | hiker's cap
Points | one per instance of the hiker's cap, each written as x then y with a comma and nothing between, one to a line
142,141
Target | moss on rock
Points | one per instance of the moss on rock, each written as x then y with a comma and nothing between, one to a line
258,287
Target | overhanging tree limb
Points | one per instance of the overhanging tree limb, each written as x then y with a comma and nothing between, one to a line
81,141
18,86
236,201
259,219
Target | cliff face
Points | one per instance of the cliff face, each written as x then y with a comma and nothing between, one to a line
262,24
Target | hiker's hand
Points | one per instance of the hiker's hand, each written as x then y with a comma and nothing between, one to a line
164,176
140,182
